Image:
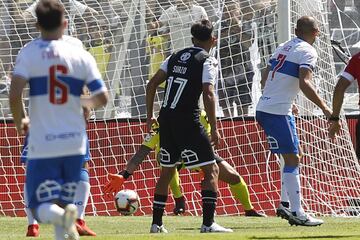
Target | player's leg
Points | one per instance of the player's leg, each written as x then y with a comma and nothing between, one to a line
160,198
282,139
33,226
238,187
169,156
197,153
71,175
177,193
43,186
81,199
283,209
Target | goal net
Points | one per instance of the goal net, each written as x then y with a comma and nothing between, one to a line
129,39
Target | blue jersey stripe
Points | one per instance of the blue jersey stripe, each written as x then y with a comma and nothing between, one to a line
39,85
95,85
288,68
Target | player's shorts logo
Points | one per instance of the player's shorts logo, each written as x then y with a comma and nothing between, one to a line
273,143
185,56
189,156
48,190
68,191
164,155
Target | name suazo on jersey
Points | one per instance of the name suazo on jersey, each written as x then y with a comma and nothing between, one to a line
284,76
57,72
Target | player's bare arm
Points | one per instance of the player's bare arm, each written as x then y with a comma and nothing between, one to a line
338,98
209,104
155,81
16,104
94,101
305,76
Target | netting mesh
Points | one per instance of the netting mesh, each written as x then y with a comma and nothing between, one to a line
129,40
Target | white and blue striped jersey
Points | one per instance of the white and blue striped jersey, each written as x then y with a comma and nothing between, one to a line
57,71
282,84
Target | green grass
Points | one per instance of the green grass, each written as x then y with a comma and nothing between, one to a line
111,228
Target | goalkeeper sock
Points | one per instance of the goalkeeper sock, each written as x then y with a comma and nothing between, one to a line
82,193
29,214
209,199
241,192
292,184
50,213
175,185
158,208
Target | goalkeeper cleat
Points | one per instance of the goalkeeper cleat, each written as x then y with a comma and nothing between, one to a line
33,230
115,183
214,228
254,213
304,220
83,229
70,215
179,206
283,212
158,229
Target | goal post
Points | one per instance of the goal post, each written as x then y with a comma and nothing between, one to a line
129,39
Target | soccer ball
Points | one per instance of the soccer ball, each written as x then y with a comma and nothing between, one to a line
127,202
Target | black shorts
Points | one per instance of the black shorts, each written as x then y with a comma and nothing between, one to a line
184,141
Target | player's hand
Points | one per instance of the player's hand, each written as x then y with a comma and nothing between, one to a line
24,126
334,129
295,110
87,112
215,138
115,183
150,122
327,111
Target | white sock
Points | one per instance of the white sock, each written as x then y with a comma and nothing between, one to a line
81,197
50,213
59,232
292,184
29,214
284,195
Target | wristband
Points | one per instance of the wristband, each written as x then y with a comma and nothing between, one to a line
125,174
335,119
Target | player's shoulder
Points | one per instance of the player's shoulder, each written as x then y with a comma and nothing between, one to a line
73,41
30,46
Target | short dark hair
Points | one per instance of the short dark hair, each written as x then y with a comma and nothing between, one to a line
202,30
49,14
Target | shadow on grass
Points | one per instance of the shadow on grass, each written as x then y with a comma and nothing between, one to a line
309,237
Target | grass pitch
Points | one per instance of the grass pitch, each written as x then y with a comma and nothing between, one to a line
134,228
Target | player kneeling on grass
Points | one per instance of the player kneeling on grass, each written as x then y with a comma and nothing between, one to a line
80,199
56,72
290,70
227,173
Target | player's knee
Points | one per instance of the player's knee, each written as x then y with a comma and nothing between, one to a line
84,175
234,178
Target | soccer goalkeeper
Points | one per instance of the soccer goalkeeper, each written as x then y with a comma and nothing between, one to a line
227,174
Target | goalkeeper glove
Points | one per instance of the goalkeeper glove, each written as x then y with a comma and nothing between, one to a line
115,182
